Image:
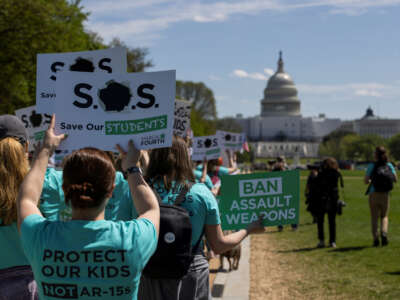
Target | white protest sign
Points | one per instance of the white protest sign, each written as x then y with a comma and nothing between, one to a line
102,110
35,123
230,140
206,146
182,117
50,66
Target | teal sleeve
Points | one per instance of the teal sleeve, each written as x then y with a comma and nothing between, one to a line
223,171
146,240
209,183
392,168
31,228
369,170
52,197
212,213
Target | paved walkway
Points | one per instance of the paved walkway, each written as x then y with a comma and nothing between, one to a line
234,285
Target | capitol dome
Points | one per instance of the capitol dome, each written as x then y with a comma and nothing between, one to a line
280,95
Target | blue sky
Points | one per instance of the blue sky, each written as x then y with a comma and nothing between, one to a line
343,55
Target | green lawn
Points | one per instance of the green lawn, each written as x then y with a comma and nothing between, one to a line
354,270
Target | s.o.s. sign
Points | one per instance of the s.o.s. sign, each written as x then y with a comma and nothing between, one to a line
102,110
51,66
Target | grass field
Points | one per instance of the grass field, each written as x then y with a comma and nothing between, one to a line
355,269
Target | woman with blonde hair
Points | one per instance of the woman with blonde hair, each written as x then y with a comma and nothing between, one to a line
16,277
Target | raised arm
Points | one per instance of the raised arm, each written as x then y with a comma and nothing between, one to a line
220,243
204,172
31,187
231,162
145,201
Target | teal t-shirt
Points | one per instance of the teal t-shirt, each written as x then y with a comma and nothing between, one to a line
199,202
370,168
53,206
221,171
87,260
208,182
11,252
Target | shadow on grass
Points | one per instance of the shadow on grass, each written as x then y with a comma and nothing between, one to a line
349,249
393,273
300,250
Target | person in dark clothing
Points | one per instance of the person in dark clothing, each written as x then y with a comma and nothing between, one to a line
312,190
328,194
281,165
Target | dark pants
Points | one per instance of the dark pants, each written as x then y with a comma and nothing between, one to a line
194,286
332,225
17,283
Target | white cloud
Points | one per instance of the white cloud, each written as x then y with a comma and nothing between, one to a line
243,74
368,93
269,72
351,90
138,19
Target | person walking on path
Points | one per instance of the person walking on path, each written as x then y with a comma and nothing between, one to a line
380,176
328,196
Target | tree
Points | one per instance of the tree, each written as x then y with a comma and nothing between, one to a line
331,144
394,146
201,126
361,147
29,27
202,98
228,124
136,57
350,146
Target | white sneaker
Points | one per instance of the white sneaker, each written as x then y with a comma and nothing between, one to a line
333,245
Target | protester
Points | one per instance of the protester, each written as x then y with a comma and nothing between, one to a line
311,191
328,196
169,172
280,165
87,257
53,206
380,177
202,176
16,277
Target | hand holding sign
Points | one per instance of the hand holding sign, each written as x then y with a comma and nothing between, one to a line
256,226
130,158
206,146
51,140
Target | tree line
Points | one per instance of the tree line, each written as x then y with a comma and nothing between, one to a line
29,27
344,145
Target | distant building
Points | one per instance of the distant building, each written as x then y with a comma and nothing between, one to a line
280,123
371,124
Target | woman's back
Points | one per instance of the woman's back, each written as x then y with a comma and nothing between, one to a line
11,252
88,259
199,202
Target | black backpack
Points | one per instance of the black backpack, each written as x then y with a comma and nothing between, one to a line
382,178
174,252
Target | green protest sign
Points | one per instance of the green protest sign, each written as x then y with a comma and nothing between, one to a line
275,196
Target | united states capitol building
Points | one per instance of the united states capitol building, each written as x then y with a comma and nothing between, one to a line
280,129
